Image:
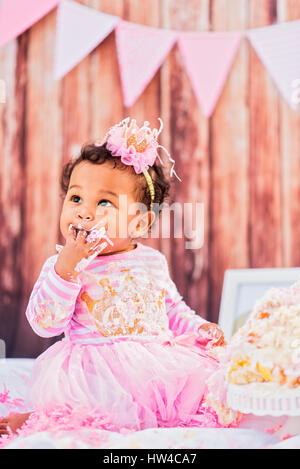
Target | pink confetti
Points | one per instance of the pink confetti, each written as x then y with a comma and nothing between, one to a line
85,423
274,429
11,403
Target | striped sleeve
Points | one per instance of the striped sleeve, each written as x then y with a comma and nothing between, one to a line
52,302
182,318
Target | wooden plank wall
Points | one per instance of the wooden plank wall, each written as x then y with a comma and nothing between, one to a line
243,163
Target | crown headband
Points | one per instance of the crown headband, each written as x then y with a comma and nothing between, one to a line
137,146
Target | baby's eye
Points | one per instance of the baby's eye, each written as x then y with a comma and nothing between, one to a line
75,198
104,201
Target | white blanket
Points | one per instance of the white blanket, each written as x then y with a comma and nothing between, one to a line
253,432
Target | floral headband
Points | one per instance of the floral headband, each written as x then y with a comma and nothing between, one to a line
136,147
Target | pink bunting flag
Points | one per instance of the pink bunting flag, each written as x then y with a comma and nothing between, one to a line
79,30
208,58
141,51
16,16
278,47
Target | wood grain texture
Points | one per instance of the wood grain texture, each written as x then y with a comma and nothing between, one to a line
147,106
289,10
189,147
265,222
12,185
105,84
243,163
43,159
229,153
75,101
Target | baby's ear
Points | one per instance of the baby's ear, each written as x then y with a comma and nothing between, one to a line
152,218
141,224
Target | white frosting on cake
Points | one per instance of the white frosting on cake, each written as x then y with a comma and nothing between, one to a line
267,348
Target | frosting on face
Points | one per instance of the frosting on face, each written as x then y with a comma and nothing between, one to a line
94,235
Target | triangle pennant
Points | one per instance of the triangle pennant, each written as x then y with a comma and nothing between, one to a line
17,16
208,58
141,51
278,47
79,30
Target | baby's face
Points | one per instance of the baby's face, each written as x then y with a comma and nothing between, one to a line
100,193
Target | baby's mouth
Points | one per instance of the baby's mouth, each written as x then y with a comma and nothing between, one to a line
93,234
78,229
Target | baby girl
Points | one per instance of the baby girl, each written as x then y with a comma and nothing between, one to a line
112,297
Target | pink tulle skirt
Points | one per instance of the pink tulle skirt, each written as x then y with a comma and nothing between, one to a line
134,384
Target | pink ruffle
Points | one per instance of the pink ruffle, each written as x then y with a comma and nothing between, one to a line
193,341
129,156
134,385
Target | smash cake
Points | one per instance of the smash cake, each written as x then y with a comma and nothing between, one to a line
260,366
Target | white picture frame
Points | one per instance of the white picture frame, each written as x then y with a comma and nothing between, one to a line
243,287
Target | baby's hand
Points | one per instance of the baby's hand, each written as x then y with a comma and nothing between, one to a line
211,335
76,249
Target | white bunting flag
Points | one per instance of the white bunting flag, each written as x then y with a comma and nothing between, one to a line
278,47
79,30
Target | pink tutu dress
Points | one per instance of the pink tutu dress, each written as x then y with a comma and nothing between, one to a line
122,355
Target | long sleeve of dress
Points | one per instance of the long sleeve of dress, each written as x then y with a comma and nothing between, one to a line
182,318
52,302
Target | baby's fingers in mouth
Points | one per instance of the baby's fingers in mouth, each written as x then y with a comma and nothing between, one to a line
72,231
81,234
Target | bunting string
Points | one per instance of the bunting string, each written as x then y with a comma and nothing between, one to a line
208,56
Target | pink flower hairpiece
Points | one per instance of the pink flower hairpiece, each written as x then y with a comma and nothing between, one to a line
136,146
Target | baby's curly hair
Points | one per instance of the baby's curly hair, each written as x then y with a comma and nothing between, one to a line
100,154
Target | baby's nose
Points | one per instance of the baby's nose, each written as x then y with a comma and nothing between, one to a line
85,214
